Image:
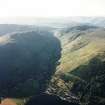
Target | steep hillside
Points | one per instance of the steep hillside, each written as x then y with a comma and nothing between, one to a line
27,62
45,99
79,76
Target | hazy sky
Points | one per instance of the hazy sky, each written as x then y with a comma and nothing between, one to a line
48,8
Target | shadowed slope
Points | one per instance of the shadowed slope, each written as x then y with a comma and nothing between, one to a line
45,99
27,63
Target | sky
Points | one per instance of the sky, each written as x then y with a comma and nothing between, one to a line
51,8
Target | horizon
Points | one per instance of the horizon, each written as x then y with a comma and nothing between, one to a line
32,20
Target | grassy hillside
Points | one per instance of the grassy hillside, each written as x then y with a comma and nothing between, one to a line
82,65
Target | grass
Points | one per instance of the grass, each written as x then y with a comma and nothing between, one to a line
81,54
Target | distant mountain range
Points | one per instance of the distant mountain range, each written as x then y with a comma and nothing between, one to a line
55,21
